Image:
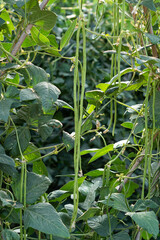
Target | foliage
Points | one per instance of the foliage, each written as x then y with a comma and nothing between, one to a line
85,106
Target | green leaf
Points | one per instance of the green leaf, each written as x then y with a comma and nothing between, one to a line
5,199
92,150
87,124
48,94
37,74
153,38
127,125
7,165
40,168
117,201
140,125
11,143
130,188
121,236
39,38
28,95
8,234
70,185
44,218
102,152
45,19
142,205
68,140
127,70
35,187
94,97
95,173
101,225
67,36
149,4
63,104
103,86
5,105
58,195
90,198
6,17
12,92
146,220
31,153
91,212
53,41
45,131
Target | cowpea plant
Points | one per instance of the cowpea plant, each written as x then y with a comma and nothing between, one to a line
104,204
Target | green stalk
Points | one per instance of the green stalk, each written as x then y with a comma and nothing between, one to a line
76,121
146,139
120,44
151,148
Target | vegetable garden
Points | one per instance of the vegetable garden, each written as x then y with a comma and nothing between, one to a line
79,119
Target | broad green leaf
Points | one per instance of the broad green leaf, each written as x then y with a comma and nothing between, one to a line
63,104
44,218
117,201
45,131
91,212
7,165
12,92
95,173
127,125
11,143
58,195
40,168
153,38
118,165
87,124
28,42
140,125
31,153
53,41
5,105
146,220
70,209
90,198
35,187
130,188
45,19
5,199
37,74
70,185
102,152
67,36
28,95
100,224
48,94
142,205
68,140
127,70
4,159
103,86
39,38
149,4
8,234
52,51
94,97
121,236
5,16
92,150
